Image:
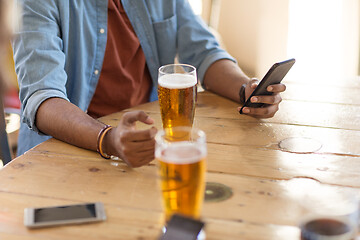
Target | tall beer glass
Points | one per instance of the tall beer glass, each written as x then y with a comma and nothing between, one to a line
177,94
181,169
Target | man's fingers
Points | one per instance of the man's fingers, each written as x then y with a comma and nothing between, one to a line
264,112
254,82
272,99
142,146
139,159
277,88
138,135
130,118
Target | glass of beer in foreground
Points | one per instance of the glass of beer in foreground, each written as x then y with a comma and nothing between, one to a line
177,94
330,214
181,169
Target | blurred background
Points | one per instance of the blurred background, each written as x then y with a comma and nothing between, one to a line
323,35
9,103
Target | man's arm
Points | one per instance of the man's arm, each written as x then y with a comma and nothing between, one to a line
218,70
225,78
65,121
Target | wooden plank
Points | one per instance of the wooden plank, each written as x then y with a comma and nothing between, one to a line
220,229
261,134
276,200
305,113
123,223
274,164
258,161
17,236
243,153
66,177
318,115
335,141
323,93
291,112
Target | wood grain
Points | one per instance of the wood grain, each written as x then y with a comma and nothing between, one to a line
268,183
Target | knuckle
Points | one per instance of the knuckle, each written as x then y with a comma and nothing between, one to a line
122,140
126,150
124,136
131,162
146,134
125,116
150,134
140,114
254,80
273,99
266,111
140,145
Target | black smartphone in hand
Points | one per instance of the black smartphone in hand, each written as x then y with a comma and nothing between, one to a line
274,76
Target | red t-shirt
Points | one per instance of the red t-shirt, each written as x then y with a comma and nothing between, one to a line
125,79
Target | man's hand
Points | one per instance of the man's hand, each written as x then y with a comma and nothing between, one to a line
135,147
271,101
225,78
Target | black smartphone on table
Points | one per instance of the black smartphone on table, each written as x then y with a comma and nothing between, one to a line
274,76
67,214
183,228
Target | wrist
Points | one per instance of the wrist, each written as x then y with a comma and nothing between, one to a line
108,146
102,142
242,94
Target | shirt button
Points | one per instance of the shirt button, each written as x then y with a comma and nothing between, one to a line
102,30
96,72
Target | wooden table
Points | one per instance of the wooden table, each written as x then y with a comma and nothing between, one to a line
243,153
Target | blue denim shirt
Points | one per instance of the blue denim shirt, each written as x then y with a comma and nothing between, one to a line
60,49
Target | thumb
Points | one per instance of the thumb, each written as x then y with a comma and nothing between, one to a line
130,118
254,83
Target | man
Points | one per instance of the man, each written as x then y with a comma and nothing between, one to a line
96,56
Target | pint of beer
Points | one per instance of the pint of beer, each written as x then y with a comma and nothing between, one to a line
177,94
181,170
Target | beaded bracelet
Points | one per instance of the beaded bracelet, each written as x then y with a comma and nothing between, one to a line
100,139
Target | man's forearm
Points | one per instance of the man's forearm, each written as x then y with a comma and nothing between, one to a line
225,78
65,121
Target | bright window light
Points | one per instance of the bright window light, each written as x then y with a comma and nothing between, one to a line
197,6
319,41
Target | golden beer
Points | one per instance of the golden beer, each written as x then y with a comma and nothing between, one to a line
177,96
182,174
181,170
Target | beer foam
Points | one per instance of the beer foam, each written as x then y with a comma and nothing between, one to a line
177,81
182,153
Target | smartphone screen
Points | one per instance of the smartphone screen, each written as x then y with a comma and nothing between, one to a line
68,214
64,213
274,76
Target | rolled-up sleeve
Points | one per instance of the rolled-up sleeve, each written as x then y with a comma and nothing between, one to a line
39,59
196,45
